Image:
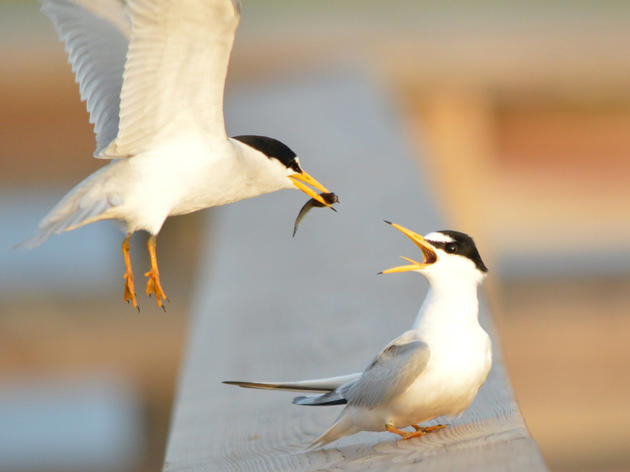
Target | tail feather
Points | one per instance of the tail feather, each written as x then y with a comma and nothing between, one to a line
315,385
326,399
87,213
342,427
85,203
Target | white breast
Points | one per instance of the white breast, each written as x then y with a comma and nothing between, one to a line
458,367
191,173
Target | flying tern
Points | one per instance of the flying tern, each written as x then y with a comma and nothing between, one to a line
435,369
152,73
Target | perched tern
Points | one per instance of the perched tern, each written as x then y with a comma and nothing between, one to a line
153,73
435,369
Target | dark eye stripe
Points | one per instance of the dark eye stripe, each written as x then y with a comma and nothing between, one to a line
465,248
438,244
295,166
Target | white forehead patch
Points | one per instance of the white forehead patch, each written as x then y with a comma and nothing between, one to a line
439,237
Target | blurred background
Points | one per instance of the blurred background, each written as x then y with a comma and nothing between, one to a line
521,113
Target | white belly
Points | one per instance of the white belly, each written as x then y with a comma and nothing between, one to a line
185,176
448,384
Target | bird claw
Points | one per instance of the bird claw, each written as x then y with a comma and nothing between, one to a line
419,430
404,434
428,429
155,287
130,294
414,434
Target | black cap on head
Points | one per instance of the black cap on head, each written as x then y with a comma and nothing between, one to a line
273,149
462,245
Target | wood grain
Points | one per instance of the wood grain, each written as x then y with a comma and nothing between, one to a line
270,307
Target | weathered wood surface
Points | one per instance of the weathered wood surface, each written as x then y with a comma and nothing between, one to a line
270,307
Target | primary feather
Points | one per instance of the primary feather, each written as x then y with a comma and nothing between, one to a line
96,36
175,70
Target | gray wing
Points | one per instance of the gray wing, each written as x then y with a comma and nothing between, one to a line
96,36
390,373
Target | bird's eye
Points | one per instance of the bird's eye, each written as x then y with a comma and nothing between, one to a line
451,248
295,166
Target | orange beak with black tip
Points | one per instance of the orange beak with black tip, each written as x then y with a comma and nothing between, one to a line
301,179
428,253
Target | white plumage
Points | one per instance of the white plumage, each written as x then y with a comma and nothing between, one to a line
152,73
433,370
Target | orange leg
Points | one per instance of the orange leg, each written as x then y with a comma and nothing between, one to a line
428,429
130,293
404,434
153,284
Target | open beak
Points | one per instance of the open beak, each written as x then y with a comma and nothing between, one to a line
428,252
299,180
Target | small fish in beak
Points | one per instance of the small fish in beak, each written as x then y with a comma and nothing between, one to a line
301,179
329,198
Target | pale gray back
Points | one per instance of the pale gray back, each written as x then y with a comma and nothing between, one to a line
389,374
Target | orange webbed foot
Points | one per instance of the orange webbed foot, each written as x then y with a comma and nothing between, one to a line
428,429
404,434
153,284
155,287
130,292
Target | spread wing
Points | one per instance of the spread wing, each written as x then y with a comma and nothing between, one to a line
175,70
390,373
96,36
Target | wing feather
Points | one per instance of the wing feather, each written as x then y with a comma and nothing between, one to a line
175,71
390,373
96,36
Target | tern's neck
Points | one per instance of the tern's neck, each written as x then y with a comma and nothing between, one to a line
449,304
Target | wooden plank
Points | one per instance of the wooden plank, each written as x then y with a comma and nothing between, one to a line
271,307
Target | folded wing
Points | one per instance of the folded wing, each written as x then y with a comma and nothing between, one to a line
389,374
